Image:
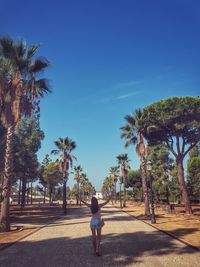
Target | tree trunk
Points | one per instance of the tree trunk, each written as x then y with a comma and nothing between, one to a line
5,216
141,196
31,193
79,201
6,187
183,188
144,186
44,199
23,200
64,197
120,195
124,195
115,192
50,196
27,195
19,192
167,194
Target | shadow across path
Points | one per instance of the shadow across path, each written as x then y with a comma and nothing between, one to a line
118,250
125,242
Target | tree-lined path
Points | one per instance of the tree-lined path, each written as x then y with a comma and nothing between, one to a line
125,242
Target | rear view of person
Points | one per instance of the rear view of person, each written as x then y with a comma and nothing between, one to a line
96,222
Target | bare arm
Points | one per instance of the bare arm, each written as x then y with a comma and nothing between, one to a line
86,203
104,203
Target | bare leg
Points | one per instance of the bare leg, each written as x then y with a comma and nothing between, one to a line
98,240
94,239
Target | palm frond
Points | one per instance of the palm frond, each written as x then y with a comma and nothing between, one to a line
78,168
72,145
55,151
130,119
42,87
39,65
31,51
20,49
127,144
74,158
7,48
18,59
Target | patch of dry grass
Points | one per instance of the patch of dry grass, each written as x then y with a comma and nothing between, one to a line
29,220
180,225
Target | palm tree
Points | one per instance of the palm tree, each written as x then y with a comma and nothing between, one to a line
20,93
132,132
90,189
114,172
77,177
120,190
64,148
123,163
87,189
107,185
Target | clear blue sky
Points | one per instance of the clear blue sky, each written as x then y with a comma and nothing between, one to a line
108,57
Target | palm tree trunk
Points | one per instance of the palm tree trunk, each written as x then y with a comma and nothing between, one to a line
124,195
5,216
144,187
64,197
120,195
184,192
115,192
8,169
79,201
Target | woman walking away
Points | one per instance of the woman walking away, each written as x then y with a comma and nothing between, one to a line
96,222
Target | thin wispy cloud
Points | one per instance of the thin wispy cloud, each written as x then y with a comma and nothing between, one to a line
128,95
108,94
120,97
121,87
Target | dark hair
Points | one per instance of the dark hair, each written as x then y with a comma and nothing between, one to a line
94,205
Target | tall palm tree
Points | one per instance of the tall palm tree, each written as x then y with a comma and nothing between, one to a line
86,187
123,163
90,189
77,177
132,132
20,93
107,185
114,172
120,190
64,148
